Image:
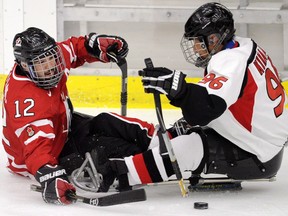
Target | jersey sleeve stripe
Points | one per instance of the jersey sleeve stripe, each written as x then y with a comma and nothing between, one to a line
39,134
70,50
22,173
13,164
38,123
5,140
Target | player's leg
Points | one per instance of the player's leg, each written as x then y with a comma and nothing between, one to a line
150,166
132,130
72,154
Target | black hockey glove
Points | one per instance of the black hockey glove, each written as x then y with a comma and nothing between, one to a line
106,47
164,81
180,127
55,185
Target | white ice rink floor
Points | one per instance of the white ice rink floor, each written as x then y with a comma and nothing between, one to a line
255,199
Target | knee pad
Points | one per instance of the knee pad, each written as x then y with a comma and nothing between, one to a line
188,150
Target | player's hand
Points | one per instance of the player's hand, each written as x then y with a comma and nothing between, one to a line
164,81
56,188
106,47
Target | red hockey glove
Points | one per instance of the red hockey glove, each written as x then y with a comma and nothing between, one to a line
106,47
55,185
164,81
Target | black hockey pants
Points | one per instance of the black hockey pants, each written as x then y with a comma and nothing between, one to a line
114,135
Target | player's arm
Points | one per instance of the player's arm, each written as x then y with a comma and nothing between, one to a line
93,47
198,106
40,148
40,158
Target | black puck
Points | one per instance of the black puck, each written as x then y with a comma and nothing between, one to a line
201,205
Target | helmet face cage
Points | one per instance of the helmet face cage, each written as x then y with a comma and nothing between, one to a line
46,69
195,51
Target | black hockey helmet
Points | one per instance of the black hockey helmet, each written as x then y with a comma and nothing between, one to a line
41,55
210,18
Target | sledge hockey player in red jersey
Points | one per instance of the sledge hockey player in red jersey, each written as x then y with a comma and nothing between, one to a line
234,119
39,125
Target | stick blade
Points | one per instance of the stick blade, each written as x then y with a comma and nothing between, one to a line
120,198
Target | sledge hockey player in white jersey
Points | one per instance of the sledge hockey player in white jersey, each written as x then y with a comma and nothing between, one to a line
234,119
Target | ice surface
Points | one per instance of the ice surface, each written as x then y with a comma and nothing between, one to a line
255,199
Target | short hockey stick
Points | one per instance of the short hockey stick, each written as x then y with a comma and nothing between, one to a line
164,138
122,64
109,200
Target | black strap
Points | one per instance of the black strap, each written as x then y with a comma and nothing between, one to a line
199,130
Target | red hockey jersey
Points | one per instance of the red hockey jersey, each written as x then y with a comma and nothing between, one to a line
36,121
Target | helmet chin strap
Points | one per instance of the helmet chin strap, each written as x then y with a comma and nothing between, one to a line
214,50
203,63
24,66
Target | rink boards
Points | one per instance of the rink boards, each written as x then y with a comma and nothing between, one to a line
104,91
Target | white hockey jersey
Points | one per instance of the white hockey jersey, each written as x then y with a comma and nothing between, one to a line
255,119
